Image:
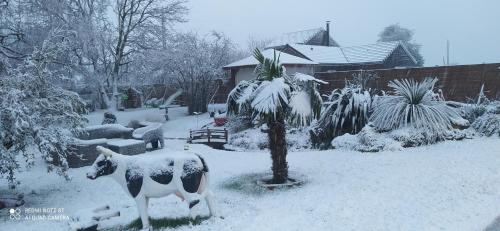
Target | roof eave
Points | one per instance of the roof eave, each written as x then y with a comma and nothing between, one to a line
253,65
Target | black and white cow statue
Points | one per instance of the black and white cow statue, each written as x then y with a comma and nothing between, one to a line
182,174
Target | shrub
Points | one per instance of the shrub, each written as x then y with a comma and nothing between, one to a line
489,122
347,111
367,140
415,105
256,139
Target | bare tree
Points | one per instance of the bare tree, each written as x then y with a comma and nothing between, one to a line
257,43
194,64
134,17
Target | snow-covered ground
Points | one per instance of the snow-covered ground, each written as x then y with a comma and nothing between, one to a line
453,185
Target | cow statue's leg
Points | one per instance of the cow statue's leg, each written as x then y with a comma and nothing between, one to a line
162,142
186,188
142,205
210,203
154,144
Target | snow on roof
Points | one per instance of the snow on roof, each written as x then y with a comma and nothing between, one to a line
321,54
299,37
284,59
371,53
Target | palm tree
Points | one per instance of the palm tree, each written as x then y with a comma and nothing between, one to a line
276,98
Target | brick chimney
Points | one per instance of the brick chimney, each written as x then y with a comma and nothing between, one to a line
327,35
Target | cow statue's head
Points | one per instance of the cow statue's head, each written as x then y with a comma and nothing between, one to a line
104,164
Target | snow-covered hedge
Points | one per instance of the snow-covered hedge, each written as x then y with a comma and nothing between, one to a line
368,140
256,139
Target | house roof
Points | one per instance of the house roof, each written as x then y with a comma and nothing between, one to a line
371,53
299,37
321,54
269,53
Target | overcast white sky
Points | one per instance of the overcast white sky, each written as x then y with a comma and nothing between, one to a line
472,26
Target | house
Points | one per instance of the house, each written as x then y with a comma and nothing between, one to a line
244,69
315,51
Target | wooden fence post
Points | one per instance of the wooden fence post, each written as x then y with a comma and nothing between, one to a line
208,133
225,134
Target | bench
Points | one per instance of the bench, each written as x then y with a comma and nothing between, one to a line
127,147
215,138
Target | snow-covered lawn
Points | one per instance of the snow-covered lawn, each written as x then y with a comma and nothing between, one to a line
454,185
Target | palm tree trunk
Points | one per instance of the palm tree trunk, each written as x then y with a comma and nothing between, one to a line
277,145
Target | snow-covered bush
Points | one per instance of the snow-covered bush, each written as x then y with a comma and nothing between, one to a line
367,140
37,118
409,137
109,118
488,123
236,124
256,139
248,139
153,102
472,111
415,105
347,111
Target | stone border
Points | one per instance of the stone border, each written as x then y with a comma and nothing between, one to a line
290,183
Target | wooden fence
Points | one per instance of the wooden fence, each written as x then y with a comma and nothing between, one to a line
459,83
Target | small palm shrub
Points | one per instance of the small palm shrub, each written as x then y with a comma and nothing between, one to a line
415,105
347,110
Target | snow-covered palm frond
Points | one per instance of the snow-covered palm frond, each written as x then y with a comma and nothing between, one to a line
271,97
305,101
295,98
268,68
240,97
301,77
348,111
414,104
301,108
